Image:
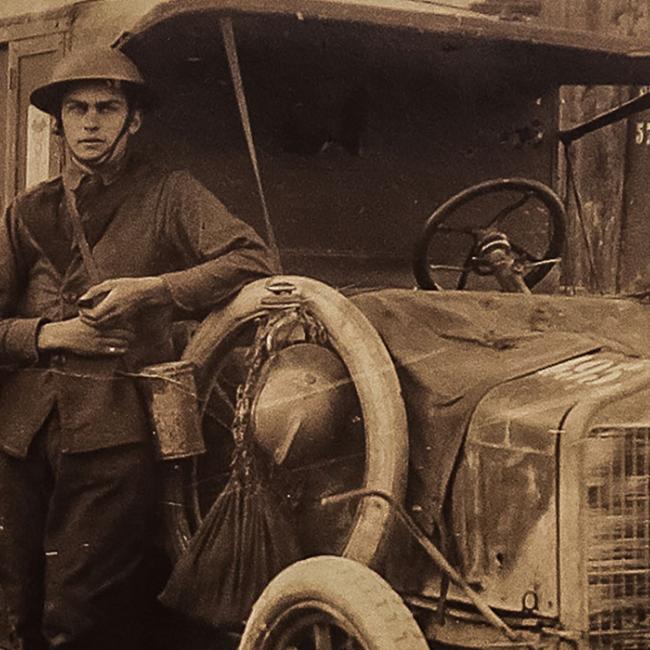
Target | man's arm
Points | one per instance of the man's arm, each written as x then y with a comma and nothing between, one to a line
18,336
219,253
22,339
74,335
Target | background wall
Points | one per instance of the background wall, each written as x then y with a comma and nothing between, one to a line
93,20
18,7
103,20
609,242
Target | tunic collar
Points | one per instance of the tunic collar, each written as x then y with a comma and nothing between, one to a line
74,173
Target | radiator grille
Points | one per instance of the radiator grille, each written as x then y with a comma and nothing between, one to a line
617,471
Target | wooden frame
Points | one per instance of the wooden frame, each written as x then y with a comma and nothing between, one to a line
17,50
25,35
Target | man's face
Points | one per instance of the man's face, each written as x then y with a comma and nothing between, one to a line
93,115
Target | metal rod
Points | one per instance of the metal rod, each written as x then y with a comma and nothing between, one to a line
230,45
627,109
433,553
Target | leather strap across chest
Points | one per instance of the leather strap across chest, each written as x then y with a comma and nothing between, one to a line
48,213
80,237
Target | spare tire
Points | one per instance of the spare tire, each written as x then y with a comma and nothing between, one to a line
359,346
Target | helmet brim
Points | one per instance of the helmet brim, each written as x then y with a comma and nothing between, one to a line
48,98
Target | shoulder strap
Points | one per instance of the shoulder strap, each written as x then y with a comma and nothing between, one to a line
80,237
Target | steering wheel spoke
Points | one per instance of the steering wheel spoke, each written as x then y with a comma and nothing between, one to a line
472,232
549,262
519,203
447,267
523,252
467,269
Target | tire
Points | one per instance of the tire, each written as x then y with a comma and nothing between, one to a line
363,352
333,592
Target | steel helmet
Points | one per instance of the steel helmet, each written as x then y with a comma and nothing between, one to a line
96,63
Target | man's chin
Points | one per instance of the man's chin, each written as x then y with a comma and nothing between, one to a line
89,158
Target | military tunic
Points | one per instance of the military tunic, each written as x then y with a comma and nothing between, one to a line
63,416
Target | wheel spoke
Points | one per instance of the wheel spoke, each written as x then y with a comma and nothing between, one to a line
350,644
448,267
322,637
219,419
217,415
224,400
459,231
218,406
520,202
464,276
521,251
549,262
463,270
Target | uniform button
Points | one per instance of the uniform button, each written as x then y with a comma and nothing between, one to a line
70,297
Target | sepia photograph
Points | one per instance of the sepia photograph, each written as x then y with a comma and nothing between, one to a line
324,324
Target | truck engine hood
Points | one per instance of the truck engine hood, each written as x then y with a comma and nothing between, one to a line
488,380
503,499
452,348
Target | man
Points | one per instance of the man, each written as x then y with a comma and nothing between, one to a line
76,468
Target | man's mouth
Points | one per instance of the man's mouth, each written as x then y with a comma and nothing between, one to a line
91,141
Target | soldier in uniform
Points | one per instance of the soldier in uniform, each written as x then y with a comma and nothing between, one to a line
76,464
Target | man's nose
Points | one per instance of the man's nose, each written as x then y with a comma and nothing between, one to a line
90,121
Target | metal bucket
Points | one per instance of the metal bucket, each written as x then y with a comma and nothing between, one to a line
170,391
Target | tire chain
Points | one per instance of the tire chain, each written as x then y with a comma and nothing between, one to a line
275,331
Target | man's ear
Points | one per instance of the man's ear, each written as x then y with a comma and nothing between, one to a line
57,127
136,121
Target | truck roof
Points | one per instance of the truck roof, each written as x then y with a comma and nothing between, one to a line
574,56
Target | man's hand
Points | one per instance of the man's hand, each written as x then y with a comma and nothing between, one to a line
75,336
119,299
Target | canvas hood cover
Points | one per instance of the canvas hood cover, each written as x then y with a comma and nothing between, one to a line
452,348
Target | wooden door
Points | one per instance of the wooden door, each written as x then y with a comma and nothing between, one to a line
32,152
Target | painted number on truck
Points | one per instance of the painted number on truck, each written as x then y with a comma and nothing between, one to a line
642,133
594,370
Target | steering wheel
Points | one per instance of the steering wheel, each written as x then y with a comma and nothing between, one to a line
532,266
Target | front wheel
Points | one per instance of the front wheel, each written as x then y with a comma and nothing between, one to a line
330,603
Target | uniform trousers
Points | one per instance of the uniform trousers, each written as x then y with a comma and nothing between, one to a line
74,534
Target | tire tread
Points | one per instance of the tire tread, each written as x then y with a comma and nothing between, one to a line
362,595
